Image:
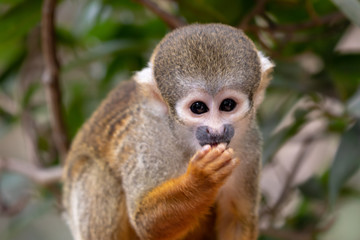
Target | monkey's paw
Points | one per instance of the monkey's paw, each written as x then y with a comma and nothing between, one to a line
212,165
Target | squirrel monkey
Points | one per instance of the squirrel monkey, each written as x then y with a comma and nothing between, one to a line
175,152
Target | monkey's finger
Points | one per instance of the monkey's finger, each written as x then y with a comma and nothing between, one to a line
222,160
201,153
213,154
226,170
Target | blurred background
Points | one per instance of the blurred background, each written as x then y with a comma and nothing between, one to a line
56,68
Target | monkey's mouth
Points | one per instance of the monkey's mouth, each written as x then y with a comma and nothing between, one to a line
207,136
213,144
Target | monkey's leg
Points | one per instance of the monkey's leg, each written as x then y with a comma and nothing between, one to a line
95,203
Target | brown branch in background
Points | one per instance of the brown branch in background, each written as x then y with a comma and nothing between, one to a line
311,10
272,211
171,20
30,129
289,28
290,177
327,19
288,31
42,176
51,77
259,8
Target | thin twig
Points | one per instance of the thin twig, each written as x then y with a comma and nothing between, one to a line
311,10
171,20
291,176
259,7
289,28
46,176
30,129
51,77
327,19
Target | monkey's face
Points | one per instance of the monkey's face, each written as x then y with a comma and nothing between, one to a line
210,77
212,118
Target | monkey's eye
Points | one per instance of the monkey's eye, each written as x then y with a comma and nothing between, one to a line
227,105
199,108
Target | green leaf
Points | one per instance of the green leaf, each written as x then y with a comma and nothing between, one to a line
65,37
304,217
106,49
19,20
288,12
29,93
346,162
76,114
12,2
351,8
313,189
344,71
13,64
201,11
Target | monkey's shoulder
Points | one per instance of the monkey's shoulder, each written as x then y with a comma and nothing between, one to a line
113,116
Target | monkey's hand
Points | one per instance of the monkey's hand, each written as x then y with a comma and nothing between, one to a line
172,209
210,166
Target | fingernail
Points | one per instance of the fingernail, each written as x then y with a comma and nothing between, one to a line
222,146
206,148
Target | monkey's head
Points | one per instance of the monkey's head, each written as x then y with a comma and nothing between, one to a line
211,78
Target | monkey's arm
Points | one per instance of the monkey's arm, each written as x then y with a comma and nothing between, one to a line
172,209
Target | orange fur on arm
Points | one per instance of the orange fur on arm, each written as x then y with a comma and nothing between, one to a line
173,209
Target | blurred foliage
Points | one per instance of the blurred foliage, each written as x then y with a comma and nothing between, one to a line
103,42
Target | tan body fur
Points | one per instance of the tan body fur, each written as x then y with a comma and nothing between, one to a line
132,174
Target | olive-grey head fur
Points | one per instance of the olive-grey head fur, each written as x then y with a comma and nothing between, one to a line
210,55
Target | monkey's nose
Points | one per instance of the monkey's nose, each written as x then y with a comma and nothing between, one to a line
214,131
207,135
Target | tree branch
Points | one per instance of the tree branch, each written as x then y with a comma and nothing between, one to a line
51,77
289,28
259,7
327,19
291,176
171,20
40,176
30,129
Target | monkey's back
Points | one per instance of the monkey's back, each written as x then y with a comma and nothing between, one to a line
89,181
115,152
110,117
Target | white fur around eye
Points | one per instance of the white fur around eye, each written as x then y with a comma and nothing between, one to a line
183,110
242,103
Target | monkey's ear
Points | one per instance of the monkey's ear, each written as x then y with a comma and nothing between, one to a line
149,89
267,67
